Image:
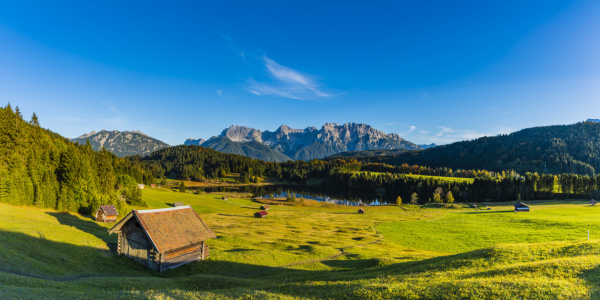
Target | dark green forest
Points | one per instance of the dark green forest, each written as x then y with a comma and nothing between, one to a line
551,149
41,168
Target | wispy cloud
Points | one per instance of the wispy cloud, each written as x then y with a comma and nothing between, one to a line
239,52
287,83
220,93
411,128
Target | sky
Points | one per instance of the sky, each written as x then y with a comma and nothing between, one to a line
430,71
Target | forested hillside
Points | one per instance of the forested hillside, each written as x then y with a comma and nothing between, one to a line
41,168
551,149
197,163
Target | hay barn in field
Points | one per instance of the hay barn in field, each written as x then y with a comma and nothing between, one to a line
265,207
521,207
361,210
261,214
163,239
106,213
177,204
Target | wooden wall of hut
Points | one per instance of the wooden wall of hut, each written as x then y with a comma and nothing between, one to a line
136,245
178,257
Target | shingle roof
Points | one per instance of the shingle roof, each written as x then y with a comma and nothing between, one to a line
521,204
109,210
262,213
170,228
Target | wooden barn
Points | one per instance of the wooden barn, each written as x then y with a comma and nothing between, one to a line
225,198
106,213
261,214
361,210
177,204
521,207
163,239
265,207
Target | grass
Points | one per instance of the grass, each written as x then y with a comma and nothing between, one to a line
303,252
442,178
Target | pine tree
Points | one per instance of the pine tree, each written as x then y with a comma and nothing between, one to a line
182,187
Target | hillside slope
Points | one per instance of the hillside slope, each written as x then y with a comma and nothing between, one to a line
251,149
70,256
553,149
122,143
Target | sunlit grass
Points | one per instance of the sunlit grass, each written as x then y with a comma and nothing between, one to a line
314,252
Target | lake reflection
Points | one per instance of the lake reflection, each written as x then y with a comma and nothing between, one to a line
321,194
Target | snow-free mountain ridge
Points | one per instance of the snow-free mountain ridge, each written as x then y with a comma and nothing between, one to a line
309,143
122,143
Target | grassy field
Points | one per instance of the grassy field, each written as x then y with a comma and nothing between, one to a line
315,252
442,178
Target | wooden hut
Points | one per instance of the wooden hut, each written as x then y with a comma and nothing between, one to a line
163,239
225,198
521,207
177,204
361,210
106,213
261,214
265,207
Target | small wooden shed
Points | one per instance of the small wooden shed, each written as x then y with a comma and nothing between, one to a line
225,198
361,210
106,213
261,214
177,204
163,239
265,207
521,207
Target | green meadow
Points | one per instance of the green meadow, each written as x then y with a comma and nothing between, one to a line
302,252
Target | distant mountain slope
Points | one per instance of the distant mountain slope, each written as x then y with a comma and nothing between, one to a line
122,143
311,143
426,146
553,149
368,153
251,149
194,142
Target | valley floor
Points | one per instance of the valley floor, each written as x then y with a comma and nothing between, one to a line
315,252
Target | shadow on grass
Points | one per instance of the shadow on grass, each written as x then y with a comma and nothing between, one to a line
239,216
87,226
40,258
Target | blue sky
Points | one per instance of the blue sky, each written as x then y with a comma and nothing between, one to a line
431,71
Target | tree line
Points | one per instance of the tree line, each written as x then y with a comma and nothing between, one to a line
41,168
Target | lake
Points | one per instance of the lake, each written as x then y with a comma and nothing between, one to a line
321,194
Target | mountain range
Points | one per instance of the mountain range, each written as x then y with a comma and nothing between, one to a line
122,143
287,143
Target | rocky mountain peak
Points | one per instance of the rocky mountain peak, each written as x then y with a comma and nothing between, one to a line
122,143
